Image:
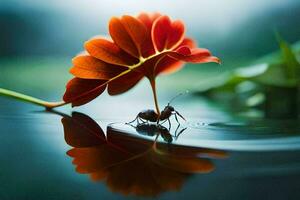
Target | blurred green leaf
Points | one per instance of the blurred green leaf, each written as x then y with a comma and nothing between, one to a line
248,86
275,75
289,59
279,69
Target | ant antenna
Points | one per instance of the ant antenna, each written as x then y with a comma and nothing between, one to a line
178,95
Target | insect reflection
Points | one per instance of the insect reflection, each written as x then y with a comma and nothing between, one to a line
157,129
129,164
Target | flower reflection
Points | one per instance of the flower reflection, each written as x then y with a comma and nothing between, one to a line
131,165
150,129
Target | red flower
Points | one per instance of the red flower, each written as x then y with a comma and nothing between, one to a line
146,45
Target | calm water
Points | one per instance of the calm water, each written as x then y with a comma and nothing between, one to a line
217,155
92,154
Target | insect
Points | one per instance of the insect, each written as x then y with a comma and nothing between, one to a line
151,116
154,129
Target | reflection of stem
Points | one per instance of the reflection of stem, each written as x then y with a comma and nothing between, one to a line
153,148
26,98
155,141
153,86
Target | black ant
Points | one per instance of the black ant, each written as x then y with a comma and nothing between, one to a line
154,129
151,116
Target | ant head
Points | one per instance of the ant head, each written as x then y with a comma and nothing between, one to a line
171,108
178,95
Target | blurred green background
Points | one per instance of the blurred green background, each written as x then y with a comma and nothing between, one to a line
39,38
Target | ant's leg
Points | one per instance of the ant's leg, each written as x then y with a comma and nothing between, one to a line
136,118
180,115
163,122
169,129
180,132
138,122
176,118
175,133
131,125
143,120
169,123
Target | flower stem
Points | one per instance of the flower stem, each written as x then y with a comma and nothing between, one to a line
153,86
26,98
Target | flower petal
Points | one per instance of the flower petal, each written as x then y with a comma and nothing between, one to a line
98,175
147,20
109,52
128,33
168,65
176,34
184,164
148,45
136,29
82,131
89,67
167,34
160,32
197,55
81,91
124,83
188,42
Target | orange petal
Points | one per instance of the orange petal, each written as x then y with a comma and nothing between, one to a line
167,34
98,175
128,33
184,164
147,20
97,158
160,32
82,131
81,91
136,29
124,83
87,160
188,42
89,67
168,65
176,34
197,55
109,52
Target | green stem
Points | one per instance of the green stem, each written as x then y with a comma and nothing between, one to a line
153,86
26,98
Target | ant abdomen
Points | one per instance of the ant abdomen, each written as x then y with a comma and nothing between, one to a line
149,115
146,129
165,134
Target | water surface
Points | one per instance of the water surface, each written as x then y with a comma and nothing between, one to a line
218,156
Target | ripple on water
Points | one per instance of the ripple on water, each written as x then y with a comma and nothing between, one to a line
256,135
